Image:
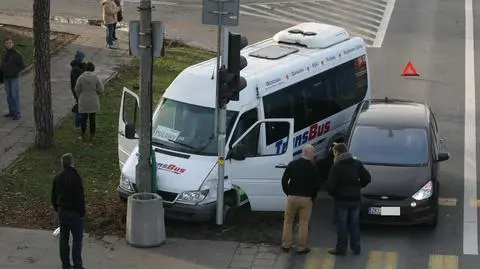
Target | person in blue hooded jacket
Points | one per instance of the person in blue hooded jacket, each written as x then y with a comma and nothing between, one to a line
78,67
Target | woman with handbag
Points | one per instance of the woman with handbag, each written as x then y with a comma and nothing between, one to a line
78,67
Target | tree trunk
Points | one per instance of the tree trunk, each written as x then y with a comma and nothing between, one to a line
42,100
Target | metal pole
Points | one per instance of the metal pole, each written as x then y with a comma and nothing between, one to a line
221,116
143,169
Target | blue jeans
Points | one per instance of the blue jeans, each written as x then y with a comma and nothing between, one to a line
348,223
109,33
71,222
13,96
78,120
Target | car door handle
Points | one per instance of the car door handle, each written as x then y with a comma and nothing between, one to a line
281,166
225,177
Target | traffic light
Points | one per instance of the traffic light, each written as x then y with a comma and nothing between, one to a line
231,83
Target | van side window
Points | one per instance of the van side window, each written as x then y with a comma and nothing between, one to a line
318,97
250,145
246,120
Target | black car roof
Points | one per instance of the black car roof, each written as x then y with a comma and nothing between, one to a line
394,113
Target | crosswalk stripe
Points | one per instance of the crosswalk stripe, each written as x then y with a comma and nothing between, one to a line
382,260
363,20
352,29
373,9
348,6
375,3
268,14
443,262
318,258
354,22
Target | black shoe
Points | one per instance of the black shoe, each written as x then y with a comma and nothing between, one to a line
285,249
357,252
303,251
9,115
336,252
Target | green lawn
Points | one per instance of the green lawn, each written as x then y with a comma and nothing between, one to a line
23,44
25,187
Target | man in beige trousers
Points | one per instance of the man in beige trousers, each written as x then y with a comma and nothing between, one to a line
300,184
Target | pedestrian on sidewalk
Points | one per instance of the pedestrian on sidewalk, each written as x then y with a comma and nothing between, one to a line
78,67
300,184
119,19
68,200
346,179
88,89
109,12
12,65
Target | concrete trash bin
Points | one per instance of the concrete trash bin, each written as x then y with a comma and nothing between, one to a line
145,220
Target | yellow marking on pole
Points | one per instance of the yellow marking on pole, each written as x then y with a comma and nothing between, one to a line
382,260
221,161
443,262
318,258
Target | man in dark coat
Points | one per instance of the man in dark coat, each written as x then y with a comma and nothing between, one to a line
346,179
68,199
12,65
78,67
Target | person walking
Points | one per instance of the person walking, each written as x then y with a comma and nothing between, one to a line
300,184
346,179
88,89
78,67
12,65
109,13
119,19
68,200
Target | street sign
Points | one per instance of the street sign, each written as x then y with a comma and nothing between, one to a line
227,10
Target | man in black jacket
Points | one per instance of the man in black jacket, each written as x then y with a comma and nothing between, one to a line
68,199
346,179
12,65
300,184
78,67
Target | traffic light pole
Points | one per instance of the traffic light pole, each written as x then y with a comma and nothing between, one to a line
221,119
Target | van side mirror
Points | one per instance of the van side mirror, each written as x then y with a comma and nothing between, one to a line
130,131
443,156
236,153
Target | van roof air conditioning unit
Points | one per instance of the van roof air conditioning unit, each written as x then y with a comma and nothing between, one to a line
312,35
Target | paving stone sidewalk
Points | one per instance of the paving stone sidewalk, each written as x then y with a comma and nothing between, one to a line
22,249
17,136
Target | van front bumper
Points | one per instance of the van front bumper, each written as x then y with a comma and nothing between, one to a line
178,211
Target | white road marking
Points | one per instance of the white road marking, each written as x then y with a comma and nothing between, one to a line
470,218
382,29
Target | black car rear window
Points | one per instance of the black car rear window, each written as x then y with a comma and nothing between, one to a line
383,146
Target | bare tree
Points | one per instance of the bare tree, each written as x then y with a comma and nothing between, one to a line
42,100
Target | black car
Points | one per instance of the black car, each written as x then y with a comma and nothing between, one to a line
399,144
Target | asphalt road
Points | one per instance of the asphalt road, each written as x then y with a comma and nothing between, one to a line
432,34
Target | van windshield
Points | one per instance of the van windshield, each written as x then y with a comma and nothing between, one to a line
187,128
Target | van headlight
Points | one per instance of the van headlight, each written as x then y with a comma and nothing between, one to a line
125,183
425,192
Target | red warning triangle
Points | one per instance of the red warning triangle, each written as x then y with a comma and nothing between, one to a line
409,70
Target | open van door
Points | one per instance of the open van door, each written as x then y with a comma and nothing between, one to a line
127,125
258,169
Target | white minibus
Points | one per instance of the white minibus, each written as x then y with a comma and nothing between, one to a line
303,85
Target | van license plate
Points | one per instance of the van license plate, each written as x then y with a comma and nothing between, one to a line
374,210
